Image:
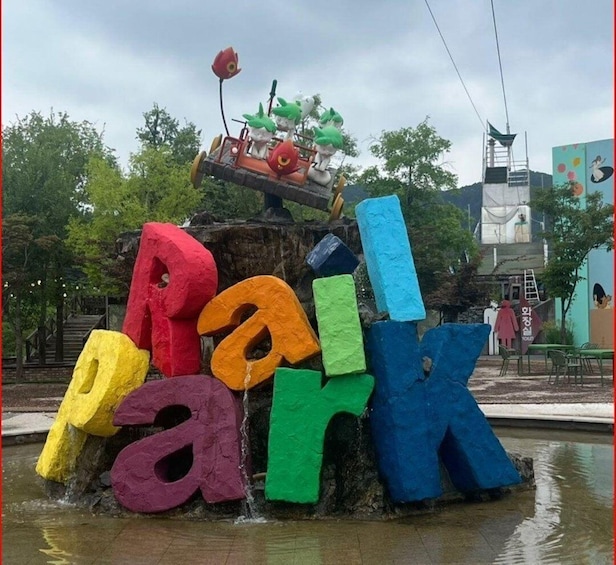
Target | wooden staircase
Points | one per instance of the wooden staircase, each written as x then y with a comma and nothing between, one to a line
76,330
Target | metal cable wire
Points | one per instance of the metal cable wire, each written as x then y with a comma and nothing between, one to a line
456,67
500,65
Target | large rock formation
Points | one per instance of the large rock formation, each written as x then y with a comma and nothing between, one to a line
246,249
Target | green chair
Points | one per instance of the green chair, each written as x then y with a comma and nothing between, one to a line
509,355
587,361
564,365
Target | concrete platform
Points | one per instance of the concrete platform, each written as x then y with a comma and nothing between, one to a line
25,427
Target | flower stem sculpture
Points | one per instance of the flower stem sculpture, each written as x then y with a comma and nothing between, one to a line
225,66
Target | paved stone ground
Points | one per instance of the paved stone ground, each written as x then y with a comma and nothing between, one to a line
489,388
486,384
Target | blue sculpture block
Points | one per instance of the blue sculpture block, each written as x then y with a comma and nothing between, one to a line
331,257
421,412
389,259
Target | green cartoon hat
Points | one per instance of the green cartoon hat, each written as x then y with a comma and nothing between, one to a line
328,136
260,120
289,110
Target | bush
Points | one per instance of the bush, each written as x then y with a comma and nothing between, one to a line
551,333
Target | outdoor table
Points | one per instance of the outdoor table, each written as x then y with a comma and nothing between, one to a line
545,347
599,355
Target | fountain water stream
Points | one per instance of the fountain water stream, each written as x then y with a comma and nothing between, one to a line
250,512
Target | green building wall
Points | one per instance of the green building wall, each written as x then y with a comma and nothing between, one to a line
577,163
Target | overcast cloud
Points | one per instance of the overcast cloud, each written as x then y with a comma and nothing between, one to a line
382,65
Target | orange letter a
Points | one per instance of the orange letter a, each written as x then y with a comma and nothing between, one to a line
279,313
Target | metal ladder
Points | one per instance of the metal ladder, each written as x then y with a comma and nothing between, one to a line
530,286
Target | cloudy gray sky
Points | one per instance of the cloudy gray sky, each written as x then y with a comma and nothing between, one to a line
382,65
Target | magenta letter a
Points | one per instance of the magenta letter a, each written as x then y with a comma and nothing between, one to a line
143,480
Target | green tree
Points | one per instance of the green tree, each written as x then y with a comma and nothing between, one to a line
457,289
154,189
575,230
19,250
43,178
226,200
411,163
162,130
411,169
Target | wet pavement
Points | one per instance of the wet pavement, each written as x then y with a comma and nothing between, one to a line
28,409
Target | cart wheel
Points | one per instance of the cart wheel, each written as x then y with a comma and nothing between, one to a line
196,176
336,208
339,186
215,143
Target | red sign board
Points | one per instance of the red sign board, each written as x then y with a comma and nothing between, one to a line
530,324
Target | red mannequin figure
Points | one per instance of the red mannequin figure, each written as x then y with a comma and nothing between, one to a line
506,324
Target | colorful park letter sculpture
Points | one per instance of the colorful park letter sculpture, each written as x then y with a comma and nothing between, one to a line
109,367
279,314
418,415
140,474
389,259
339,325
302,407
422,413
301,410
173,279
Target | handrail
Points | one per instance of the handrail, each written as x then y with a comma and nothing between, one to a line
102,323
32,341
77,305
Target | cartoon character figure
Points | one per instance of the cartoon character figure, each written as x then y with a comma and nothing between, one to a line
287,116
261,130
599,173
327,141
306,103
506,324
283,159
605,303
601,300
331,118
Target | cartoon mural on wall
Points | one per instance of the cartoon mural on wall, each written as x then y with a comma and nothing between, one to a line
601,300
599,173
570,164
587,167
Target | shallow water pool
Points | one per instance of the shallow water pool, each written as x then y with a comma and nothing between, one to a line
567,519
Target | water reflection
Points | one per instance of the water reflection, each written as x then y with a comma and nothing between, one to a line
568,519
572,521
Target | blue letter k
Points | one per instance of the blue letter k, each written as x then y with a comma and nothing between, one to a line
423,413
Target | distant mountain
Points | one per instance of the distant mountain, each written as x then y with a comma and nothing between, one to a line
354,193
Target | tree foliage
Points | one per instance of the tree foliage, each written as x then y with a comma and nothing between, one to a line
411,169
162,130
43,176
411,157
154,189
457,290
576,228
